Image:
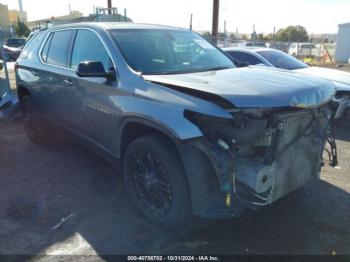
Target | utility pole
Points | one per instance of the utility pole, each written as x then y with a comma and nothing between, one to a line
20,5
4,84
109,4
236,36
191,20
225,31
215,28
225,35
254,35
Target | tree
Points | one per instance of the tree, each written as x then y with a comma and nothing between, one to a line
269,37
292,33
260,37
244,37
22,29
208,36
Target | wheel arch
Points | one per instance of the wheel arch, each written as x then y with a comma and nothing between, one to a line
22,90
199,170
134,127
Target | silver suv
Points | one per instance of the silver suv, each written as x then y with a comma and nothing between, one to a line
191,133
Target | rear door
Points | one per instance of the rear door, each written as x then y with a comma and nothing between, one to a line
88,104
52,74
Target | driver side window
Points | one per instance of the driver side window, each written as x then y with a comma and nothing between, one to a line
88,47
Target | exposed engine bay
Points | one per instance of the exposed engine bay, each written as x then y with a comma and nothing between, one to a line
263,154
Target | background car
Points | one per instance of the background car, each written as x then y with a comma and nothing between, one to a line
18,42
305,49
189,129
280,46
257,44
11,53
273,58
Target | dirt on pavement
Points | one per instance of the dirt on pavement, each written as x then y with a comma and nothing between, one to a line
40,185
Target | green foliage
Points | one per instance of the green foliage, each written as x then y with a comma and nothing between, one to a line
22,29
208,36
269,37
292,33
221,35
244,37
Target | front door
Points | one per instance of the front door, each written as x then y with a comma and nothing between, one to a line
88,106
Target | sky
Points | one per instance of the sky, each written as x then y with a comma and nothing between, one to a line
318,16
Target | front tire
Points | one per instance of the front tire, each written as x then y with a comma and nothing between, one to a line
156,181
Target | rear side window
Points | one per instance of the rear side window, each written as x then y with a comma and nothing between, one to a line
33,41
88,47
57,50
46,49
244,57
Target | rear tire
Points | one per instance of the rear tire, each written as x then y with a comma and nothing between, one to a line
37,129
156,180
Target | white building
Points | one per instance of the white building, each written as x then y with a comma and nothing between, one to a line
342,53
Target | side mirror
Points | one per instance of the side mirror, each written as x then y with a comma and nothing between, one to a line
94,69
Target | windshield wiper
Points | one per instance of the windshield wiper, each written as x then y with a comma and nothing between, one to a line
217,68
198,70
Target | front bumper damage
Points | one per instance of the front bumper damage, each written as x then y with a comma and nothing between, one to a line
254,159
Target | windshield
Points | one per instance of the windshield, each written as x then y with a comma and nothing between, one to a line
168,51
282,60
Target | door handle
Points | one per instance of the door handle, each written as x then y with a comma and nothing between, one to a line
68,81
35,73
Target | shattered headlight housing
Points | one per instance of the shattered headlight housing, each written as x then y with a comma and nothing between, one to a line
312,98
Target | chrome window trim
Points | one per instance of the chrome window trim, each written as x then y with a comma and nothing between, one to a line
66,29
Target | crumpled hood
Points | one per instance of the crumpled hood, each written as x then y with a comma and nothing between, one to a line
254,86
339,78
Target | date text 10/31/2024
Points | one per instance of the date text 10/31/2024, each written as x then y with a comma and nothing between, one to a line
173,258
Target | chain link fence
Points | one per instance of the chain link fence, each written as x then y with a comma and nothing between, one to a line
312,51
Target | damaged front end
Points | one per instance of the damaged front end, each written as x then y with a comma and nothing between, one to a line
267,141
258,156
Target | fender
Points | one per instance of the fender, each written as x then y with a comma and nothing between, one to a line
179,129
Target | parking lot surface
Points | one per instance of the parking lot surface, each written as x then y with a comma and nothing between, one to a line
41,185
